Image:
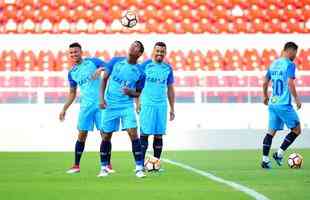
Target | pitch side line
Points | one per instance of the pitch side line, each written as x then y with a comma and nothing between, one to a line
234,185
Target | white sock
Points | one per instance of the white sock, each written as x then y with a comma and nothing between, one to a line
266,159
139,167
280,153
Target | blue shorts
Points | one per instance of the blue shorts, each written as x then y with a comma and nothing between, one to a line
88,117
112,118
153,120
280,115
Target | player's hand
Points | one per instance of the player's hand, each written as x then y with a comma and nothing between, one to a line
62,115
97,73
126,91
172,115
266,100
298,103
102,104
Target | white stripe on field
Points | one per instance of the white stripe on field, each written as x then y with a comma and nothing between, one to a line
234,185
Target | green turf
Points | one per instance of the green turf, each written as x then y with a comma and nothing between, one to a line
41,176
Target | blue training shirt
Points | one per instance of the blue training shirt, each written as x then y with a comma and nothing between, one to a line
279,72
81,75
157,78
122,74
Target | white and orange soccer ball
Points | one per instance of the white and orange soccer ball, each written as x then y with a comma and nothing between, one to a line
129,19
151,163
295,160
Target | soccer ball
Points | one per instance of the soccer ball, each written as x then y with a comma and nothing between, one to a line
295,161
129,19
151,164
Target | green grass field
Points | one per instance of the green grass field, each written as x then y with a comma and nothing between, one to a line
42,176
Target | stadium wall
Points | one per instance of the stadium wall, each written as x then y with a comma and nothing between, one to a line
197,126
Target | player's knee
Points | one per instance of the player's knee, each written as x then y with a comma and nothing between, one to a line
82,136
158,137
272,133
106,137
297,130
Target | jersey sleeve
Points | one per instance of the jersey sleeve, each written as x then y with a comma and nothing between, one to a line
170,79
268,76
291,71
109,66
140,83
72,83
97,61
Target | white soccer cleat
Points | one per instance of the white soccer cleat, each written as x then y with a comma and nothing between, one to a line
140,174
103,172
73,170
109,169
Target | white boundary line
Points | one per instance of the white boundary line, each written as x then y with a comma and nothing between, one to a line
234,185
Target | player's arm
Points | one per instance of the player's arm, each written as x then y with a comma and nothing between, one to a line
171,99
171,95
100,67
71,97
265,87
291,84
134,93
102,90
69,101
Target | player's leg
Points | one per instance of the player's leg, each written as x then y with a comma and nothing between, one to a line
85,124
79,149
105,152
129,123
275,123
147,126
290,118
109,124
160,130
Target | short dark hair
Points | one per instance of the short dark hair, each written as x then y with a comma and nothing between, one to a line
75,44
161,44
141,46
290,45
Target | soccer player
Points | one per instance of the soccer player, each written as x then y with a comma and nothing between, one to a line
158,87
84,73
282,75
120,85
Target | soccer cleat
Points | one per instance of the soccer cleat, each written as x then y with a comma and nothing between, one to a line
140,174
266,165
279,160
109,169
74,169
103,172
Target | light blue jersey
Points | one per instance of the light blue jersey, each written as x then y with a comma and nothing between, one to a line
120,108
280,108
279,73
157,77
153,114
81,75
122,74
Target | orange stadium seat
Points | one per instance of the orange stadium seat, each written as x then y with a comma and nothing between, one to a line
10,60
46,61
26,60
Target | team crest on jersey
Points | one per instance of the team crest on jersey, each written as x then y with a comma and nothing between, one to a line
274,99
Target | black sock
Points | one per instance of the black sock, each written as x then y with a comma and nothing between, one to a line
157,146
79,148
267,144
137,151
109,152
144,145
104,149
288,140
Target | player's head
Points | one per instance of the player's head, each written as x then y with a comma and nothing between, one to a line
159,51
290,50
75,52
136,49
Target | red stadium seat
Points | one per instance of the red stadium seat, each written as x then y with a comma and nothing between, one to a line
36,81
16,81
10,60
214,60
268,56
